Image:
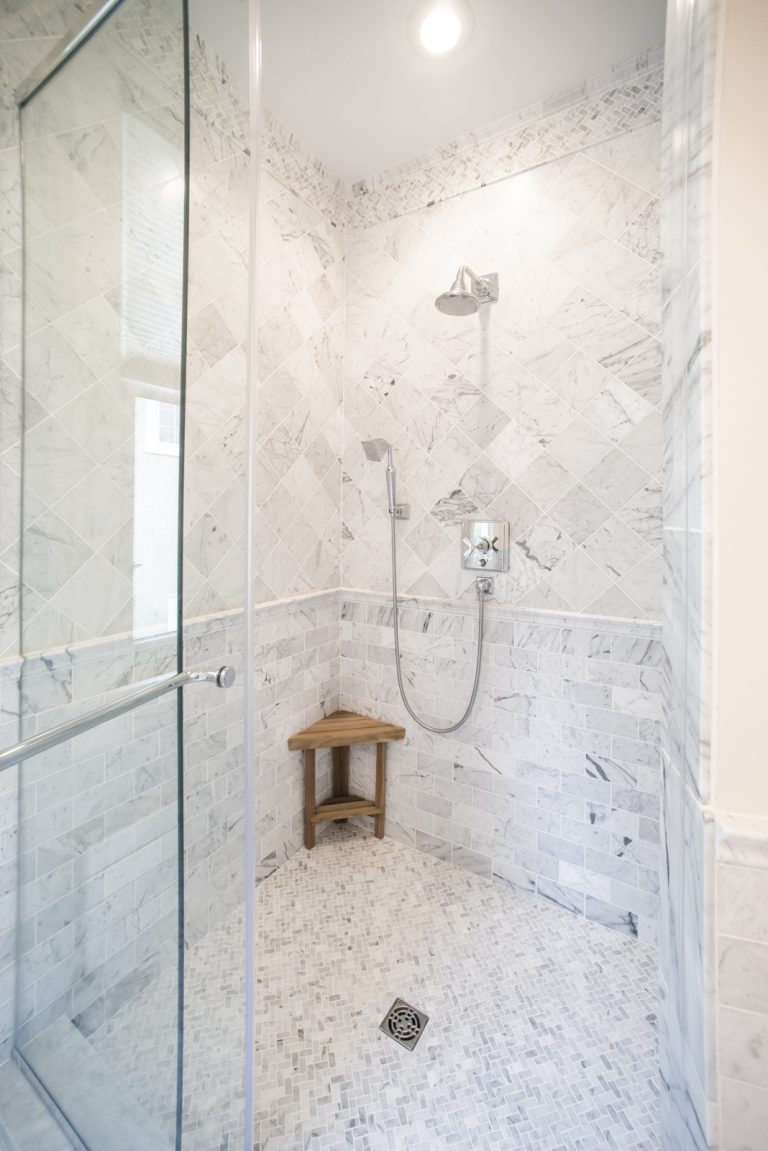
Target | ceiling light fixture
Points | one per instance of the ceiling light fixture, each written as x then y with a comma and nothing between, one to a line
440,27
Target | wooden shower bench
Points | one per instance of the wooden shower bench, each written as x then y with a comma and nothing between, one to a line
341,731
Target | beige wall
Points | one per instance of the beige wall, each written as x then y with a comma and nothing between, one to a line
741,411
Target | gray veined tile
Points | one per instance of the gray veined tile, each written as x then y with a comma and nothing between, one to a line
514,449
579,447
579,249
54,461
643,513
544,353
615,479
579,315
578,578
579,184
644,442
54,552
94,509
615,602
546,416
544,544
53,186
545,481
483,482
579,380
454,507
643,305
483,421
617,343
616,276
615,206
579,513
642,583
616,547
95,333
643,372
56,281
642,234
94,596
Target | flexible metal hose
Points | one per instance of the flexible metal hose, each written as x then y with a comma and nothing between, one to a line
400,684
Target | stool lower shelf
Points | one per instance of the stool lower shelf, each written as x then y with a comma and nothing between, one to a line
343,807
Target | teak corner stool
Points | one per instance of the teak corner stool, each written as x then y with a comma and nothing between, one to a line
340,731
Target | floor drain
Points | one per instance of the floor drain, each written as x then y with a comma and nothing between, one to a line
404,1024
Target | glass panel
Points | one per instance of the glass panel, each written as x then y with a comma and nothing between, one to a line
103,150
98,963
104,231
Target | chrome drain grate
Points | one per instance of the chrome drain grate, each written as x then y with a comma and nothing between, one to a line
404,1024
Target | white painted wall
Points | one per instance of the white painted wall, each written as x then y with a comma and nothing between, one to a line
741,410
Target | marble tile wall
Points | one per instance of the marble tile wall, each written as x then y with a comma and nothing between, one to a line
297,668
299,393
552,787
545,411
741,1022
688,956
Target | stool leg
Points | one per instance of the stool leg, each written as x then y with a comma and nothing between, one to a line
340,771
309,797
381,788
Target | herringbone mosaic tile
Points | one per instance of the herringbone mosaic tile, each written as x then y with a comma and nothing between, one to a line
541,1034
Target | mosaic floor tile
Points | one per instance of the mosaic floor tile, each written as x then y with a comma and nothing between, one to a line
541,1033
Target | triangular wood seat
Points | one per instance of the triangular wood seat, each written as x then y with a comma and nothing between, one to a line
343,729
339,732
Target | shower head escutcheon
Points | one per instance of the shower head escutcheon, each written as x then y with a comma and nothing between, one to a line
468,292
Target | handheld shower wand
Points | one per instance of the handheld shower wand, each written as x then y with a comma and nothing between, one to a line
376,450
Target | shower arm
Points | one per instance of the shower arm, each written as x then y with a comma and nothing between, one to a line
476,280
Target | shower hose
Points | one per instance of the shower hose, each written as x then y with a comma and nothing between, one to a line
478,661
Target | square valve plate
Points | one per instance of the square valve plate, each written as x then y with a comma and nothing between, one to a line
485,545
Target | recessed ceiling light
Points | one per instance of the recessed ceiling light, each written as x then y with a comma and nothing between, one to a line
440,31
438,27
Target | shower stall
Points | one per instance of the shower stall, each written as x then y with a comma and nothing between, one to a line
261,465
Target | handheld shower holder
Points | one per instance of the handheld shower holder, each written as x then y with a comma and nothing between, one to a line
401,511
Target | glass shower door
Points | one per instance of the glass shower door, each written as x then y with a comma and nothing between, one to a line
104,190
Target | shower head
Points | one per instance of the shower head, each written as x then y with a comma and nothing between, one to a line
468,292
376,449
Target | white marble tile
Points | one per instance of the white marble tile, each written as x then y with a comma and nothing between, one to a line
742,1040
742,967
743,1116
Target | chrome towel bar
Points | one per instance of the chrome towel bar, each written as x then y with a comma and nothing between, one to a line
224,677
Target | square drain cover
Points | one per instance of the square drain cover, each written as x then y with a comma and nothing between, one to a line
404,1024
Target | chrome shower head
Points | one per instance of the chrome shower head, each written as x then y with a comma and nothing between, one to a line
376,449
468,292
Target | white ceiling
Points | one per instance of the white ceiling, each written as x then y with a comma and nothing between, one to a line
343,76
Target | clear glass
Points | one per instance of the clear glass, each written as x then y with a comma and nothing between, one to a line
98,985
104,195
